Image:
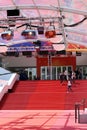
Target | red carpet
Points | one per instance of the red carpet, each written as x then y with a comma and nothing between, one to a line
43,95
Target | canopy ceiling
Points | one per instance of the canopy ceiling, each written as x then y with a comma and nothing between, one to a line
68,16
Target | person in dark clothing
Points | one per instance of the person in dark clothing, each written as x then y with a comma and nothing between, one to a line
62,78
23,75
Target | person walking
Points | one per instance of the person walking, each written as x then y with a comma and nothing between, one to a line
69,85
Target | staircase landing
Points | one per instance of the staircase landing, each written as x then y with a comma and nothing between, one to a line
39,120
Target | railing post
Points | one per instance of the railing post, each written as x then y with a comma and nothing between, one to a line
78,113
77,109
76,105
83,102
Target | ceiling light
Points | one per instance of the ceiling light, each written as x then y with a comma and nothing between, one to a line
50,31
50,34
29,34
7,35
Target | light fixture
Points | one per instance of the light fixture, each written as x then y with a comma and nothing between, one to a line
29,34
7,35
50,31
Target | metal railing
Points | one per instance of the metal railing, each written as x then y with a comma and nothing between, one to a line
77,109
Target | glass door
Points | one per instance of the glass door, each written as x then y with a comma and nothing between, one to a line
59,70
83,70
45,73
31,72
53,72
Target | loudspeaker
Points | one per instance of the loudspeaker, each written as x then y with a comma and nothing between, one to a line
14,12
40,30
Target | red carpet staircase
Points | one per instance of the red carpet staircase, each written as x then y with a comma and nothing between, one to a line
43,95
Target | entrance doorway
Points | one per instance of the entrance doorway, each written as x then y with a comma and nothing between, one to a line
83,71
31,72
53,72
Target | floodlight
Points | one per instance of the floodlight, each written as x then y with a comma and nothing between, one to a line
50,32
29,34
7,35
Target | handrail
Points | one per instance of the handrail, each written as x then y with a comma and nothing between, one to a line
77,112
5,74
83,103
77,109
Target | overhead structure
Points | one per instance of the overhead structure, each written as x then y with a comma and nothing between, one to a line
42,20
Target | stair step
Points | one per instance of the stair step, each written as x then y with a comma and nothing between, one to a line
44,95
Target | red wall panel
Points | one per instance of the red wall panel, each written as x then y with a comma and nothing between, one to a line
56,61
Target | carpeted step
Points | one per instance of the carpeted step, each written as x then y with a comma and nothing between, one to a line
44,95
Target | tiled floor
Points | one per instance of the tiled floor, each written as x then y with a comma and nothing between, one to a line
39,120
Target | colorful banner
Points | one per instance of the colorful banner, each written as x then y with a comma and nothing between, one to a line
28,46
46,46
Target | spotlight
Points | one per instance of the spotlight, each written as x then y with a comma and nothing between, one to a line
7,35
29,34
50,32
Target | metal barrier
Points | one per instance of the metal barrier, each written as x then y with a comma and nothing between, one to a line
77,109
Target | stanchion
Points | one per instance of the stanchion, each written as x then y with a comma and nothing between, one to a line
77,112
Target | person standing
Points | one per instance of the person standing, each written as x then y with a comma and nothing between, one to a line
62,78
73,77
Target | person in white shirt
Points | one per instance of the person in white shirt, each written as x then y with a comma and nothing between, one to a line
73,77
69,85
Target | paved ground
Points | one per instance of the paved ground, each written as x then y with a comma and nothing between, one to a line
39,120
